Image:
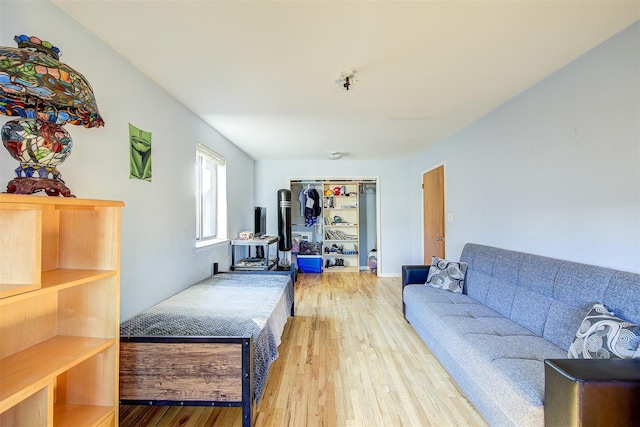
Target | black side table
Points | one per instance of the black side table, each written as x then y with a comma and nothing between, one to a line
592,392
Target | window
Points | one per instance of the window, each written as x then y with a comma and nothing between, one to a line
211,192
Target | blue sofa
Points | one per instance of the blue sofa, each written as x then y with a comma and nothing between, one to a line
516,310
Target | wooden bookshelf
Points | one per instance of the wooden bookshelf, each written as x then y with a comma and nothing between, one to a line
344,233
59,311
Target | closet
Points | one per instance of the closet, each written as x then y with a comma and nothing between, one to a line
339,234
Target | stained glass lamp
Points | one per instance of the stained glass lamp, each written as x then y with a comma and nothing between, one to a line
45,94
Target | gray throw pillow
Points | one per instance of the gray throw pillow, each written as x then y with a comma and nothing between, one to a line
602,335
444,274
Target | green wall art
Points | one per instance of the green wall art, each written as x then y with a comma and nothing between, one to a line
140,154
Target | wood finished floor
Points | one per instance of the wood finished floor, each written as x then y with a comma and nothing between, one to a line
348,358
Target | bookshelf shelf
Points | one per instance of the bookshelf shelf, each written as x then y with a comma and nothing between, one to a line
59,311
341,230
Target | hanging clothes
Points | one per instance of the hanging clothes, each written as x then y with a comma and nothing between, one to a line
302,198
317,207
312,206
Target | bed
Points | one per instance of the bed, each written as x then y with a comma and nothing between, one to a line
209,345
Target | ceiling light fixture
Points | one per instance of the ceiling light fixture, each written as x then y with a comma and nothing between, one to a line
347,78
335,155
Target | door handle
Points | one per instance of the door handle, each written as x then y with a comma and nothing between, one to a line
440,239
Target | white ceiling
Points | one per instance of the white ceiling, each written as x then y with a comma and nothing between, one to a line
263,73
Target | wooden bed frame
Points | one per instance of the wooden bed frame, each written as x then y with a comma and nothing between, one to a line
190,371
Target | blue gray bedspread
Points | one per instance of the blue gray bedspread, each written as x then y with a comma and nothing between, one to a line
225,305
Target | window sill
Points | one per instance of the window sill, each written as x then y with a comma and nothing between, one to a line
209,244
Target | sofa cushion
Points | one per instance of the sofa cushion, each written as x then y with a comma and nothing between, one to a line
493,277
623,297
534,293
479,261
503,359
504,280
530,309
477,285
445,274
577,287
602,335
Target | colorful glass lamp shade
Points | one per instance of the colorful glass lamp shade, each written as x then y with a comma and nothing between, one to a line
45,94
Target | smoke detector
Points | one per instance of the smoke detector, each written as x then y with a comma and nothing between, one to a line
335,155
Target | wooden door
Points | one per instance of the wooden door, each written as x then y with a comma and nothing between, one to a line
433,209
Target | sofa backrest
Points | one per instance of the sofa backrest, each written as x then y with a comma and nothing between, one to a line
548,296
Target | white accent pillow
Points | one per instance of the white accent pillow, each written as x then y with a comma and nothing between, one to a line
444,274
602,335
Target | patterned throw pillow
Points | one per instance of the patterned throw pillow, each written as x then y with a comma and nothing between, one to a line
445,274
602,335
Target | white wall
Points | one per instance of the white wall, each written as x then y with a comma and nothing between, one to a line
555,171
158,223
394,215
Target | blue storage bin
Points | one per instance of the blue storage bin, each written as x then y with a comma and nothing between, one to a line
310,264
